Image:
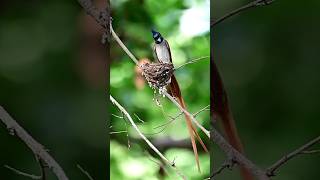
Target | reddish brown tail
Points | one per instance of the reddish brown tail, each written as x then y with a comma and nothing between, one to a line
233,138
222,111
175,91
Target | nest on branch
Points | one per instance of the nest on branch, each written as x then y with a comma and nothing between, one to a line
158,75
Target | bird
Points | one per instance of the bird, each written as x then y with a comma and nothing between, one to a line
162,54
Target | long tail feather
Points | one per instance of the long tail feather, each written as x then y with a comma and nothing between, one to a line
223,112
175,91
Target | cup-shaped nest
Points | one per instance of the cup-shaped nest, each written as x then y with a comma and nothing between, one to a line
158,75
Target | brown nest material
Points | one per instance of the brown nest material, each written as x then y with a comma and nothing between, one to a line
158,75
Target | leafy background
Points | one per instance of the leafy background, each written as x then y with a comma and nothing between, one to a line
185,24
269,60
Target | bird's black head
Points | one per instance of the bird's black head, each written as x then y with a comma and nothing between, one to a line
156,36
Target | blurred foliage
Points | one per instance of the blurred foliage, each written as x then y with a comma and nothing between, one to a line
269,61
43,87
132,21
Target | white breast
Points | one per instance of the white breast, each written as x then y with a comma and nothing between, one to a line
162,52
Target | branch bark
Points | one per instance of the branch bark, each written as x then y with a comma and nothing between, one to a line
124,111
272,169
236,156
250,5
38,150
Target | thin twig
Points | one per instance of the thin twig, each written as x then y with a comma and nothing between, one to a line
118,132
192,61
115,36
37,149
22,173
175,118
127,134
114,115
138,117
43,167
229,163
272,169
236,156
123,110
169,122
201,110
85,172
250,5
187,113
310,152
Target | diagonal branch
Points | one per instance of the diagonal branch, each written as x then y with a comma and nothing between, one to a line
37,149
250,5
123,110
31,176
85,172
236,156
272,169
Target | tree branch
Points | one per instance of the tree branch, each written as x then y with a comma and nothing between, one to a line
272,169
22,173
170,164
84,172
236,156
100,16
250,5
37,149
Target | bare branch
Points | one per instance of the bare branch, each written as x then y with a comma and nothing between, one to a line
84,172
43,167
115,36
236,156
272,169
310,152
118,132
37,149
123,110
192,61
229,163
187,113
100,16
250,5
22,173
175,118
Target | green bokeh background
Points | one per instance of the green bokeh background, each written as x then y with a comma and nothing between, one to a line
133,20
269,61
43,86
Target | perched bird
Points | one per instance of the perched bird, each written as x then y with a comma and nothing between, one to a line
162,54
